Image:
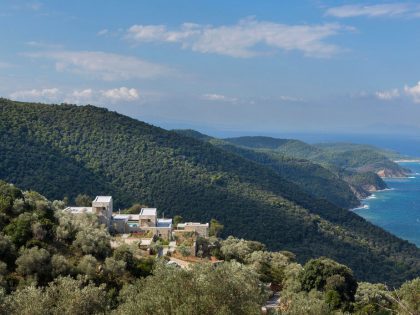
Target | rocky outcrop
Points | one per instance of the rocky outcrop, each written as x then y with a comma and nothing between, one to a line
389,173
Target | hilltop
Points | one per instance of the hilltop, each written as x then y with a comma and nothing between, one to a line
63,150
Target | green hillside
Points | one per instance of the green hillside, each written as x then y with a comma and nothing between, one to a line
64,150
346,146
310,177
353,157
346,161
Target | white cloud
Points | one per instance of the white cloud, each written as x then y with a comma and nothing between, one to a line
377,10
103,32
48,94
243,39
4,65
150,33
84,96
413,92
218,98
122,93
249,100
388,95
28,5
35,6
105,66
290,98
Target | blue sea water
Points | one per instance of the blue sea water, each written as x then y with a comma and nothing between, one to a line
397,210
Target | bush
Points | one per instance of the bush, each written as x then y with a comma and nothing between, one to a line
372,298
114,268
409,297
184,250
324,274
63,296
7,250
93,241
239,249
35,262
229,288
60,266
88,266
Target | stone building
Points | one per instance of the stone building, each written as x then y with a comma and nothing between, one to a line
102,206
146,222
201,229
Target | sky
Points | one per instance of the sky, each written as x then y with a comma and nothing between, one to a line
237,66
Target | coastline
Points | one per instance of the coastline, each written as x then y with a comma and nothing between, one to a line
407,161
371,196
396,212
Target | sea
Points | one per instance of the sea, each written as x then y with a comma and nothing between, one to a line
397,209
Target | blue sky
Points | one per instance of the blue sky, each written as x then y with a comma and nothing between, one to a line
238,66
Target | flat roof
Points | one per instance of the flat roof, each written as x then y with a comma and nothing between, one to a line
103,199
192,224
126,217
148,211
78,209
164,223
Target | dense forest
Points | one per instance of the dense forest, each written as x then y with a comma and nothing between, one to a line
313,178
64,150
360,166
346,156
346,146
54,262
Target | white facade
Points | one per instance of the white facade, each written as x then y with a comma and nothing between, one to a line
146,221
103,207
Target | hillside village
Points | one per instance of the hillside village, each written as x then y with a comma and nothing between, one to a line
145,228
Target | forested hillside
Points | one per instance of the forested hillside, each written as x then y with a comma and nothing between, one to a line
346,146
361,166
351,157
64,150
310,177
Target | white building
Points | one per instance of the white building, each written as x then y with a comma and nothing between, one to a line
101,206
201,229
145,222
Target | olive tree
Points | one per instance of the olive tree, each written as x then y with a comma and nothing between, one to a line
88,266
114,268
229,288
372,298
94,241
239,249
327,275
60,266
7,250
408,297
83,200
64,296
34,262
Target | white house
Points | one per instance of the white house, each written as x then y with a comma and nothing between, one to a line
146,221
